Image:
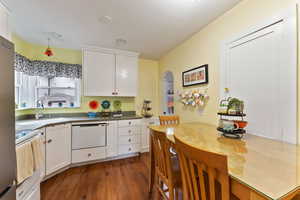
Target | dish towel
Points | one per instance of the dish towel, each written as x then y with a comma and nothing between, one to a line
24,162
38,157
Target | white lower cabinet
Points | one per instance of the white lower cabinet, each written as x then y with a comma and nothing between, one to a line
129,136
112,139
43,166
122,137
90,154
146,131
130,148
130,139
58,147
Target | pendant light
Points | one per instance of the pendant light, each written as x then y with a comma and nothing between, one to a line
48,52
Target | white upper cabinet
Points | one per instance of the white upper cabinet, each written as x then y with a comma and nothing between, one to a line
108,72
4,23
98,74
126,75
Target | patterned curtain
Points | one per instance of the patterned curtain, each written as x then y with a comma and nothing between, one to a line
47,68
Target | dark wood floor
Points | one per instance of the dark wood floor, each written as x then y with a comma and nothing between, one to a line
125,179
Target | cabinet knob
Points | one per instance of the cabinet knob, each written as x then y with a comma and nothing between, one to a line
129,123
129,131
89,155
129,149
129,140
21,193
49,141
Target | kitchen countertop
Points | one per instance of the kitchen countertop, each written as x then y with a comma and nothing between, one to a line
270,167
33,124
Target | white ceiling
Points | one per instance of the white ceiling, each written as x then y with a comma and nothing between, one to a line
151,27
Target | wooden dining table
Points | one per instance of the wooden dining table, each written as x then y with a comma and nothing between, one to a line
259,168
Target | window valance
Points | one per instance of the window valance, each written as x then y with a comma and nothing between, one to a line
47,68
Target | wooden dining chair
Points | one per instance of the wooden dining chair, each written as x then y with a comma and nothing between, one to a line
167,171
169,119
204,174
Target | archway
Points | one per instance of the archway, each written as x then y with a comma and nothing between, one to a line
168,93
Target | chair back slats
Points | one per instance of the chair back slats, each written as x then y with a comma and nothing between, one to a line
203,173
200,169
162,157
169,120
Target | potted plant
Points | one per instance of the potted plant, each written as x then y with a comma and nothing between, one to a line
235,106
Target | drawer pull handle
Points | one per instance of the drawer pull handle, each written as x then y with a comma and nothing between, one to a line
89,155
49,141
129,149
21,193
129,140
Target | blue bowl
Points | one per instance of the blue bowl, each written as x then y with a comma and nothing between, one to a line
92,114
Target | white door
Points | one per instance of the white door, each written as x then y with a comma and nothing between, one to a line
112,139
126,75
58,147
262,72
98,73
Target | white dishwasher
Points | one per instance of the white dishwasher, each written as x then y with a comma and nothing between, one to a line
89,135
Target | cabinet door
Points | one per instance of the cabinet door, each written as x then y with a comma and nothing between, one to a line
112,139
146,132
126,75
4,26
58,147
98,73
43,167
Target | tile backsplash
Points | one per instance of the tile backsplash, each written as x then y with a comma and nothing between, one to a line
128,104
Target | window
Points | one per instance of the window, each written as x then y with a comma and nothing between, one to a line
39,91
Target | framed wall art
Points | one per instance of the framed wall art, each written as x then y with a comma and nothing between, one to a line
196,76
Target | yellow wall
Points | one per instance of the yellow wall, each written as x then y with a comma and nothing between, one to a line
147,87
204,48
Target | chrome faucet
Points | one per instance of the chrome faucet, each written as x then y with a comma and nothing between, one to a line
40,107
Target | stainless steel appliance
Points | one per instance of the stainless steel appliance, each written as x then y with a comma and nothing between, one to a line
89,135
7,122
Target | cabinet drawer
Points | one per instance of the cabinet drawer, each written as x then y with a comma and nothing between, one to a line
84,155
125,123
133,139
129,131
130,148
